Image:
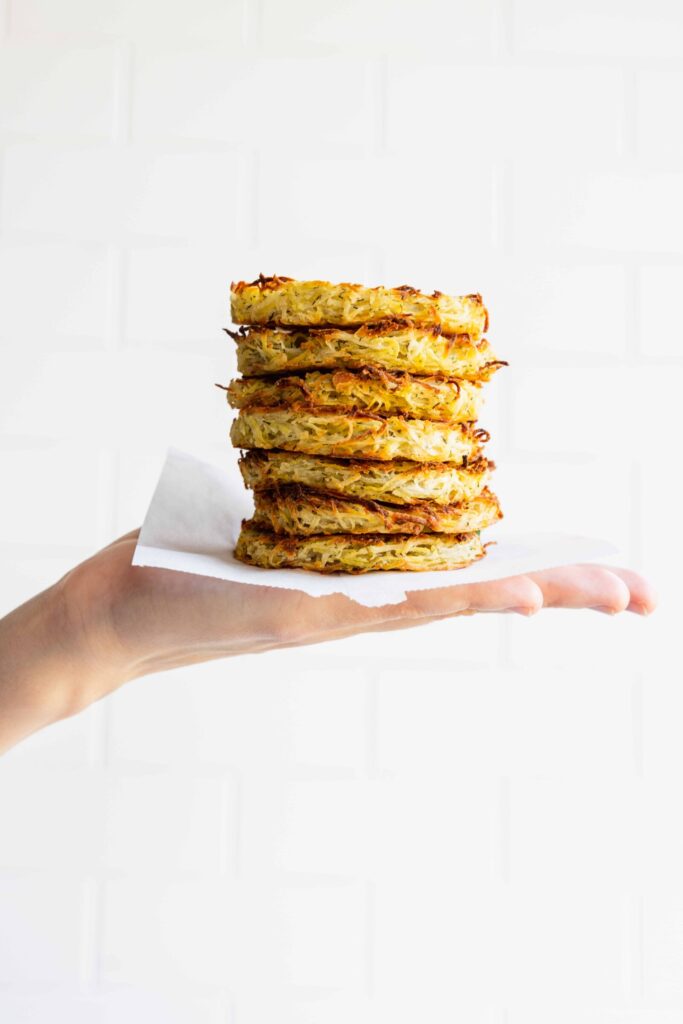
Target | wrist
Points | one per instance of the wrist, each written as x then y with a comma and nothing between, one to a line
46,671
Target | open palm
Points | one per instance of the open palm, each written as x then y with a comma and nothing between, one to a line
108,621
145,620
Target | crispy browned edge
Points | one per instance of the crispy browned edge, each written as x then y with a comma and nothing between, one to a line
425,514
377,327
478,464
377,373
271,282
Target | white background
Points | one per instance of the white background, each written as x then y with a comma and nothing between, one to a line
480,820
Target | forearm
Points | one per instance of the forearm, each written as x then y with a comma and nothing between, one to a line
44,673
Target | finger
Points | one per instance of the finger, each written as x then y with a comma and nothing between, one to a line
583,586
295,616
515,593
396,624
131,535
643,595
392,625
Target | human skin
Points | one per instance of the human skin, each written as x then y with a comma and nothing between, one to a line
108,622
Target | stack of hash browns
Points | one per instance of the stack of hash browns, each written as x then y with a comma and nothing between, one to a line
358,410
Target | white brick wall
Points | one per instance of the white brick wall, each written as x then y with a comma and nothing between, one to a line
477,821
497,110
602,28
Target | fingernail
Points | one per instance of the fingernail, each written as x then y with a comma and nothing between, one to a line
526,612
639,609
604,609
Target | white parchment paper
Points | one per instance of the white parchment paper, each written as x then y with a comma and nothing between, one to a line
194,519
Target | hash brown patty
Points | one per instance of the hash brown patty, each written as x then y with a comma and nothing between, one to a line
347,435
400,482
298,511
392,345
366,390
285,301
347,553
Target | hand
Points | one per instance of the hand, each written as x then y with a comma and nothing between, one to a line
145,620
108,621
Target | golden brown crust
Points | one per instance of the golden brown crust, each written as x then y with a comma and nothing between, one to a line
354,434
263,282
369,389
344,553
286,302
393,345
398,482
302,512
